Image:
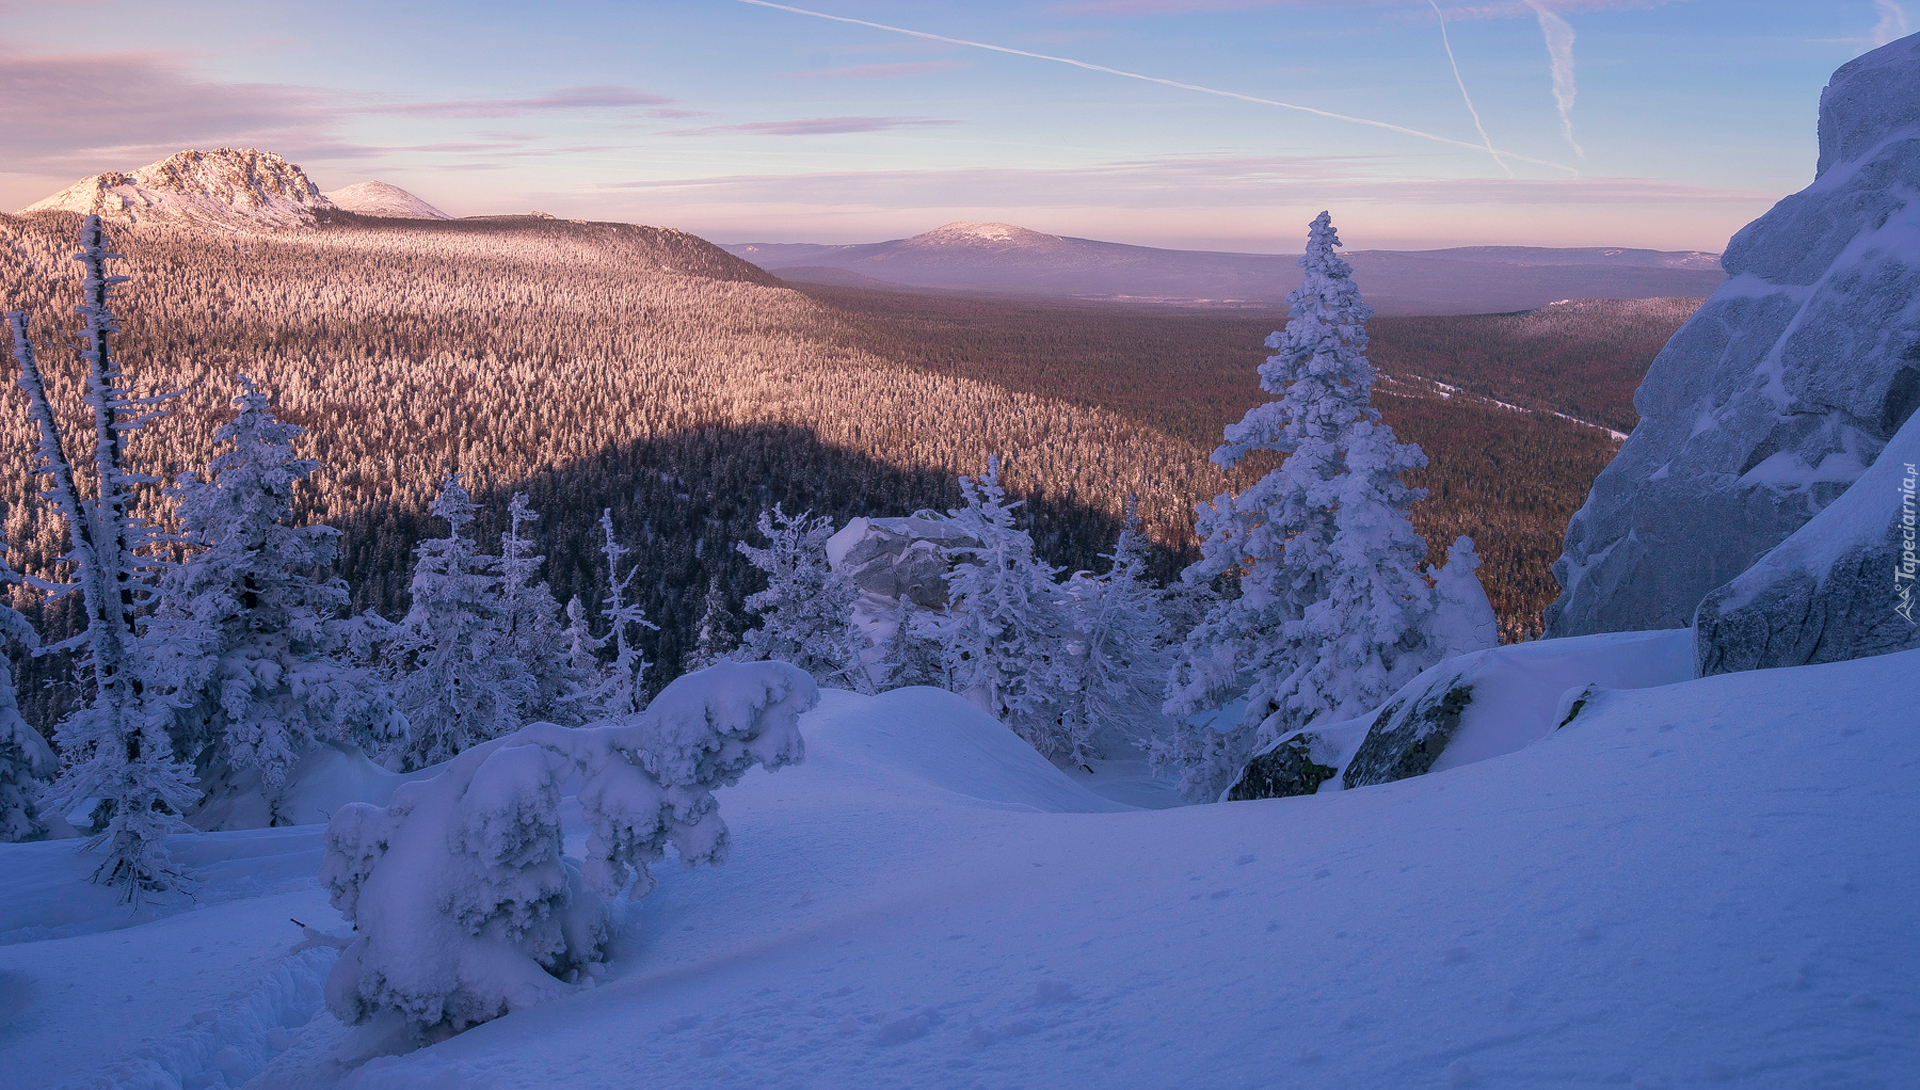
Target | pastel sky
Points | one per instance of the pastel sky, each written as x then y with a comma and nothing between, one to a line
1612,122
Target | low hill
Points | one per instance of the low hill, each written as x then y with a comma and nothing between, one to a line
1002,259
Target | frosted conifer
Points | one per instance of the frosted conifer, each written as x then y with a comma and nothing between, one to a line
455,677
1111,677
26,761
249,643
713,635
531,628
620,692
1332,610
1005,630
583,648
116,749
911,654
806,611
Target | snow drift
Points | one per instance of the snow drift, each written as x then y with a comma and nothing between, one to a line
466,908
1782,389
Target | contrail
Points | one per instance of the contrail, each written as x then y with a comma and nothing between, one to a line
1479,128
1436,138
1892,24
1559,36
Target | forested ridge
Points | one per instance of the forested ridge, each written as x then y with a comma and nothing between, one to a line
641,369
592,365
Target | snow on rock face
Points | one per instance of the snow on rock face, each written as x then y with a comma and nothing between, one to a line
1782,389
226,187
1470,708
891,557
1466,709
381,199
1841,587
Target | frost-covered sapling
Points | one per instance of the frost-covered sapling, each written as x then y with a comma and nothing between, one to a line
1006,629
806,610
26,761
621,685
714,634
1110,678
465,907
530,625
251,646
455,677
117,751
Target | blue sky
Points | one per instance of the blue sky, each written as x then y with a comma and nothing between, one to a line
743,122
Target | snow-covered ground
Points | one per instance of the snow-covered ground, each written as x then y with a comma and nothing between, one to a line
1709,882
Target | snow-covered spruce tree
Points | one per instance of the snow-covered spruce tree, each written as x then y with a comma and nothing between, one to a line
26,761
530,625
115,750
1006,629
806,611
910,654
464,908
619,691
454,674
583,647
1333,609
714,633
1110,679
250,644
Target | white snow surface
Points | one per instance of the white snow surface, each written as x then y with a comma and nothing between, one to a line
236,188
382,199
1709,882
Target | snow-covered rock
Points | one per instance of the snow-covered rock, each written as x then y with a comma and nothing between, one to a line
235,188
1782,389
382,199
1483,705
1840,588
892,557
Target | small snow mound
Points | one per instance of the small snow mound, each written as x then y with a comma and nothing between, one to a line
382,199
921,737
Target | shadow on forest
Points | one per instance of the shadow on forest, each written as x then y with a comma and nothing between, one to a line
681,502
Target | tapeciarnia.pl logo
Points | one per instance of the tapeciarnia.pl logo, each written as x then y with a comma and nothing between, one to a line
1904,571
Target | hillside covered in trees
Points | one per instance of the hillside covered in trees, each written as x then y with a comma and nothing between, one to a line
613,366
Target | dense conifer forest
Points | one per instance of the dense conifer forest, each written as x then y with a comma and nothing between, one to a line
639,369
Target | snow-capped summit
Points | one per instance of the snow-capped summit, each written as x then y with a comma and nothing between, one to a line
225,187
994,235
382,199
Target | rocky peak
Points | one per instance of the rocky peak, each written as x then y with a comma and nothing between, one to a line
225,187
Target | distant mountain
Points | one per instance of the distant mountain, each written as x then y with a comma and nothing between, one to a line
1005,259
226,187
381,199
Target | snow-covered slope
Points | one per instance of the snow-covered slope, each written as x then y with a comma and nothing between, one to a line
1702,883
381,199
226,187
1782,389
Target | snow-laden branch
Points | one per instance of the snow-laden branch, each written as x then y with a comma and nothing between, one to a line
466,909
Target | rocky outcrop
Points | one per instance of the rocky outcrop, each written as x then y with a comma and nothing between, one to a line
236,188
1842,587
894,557
1409,734
1782,389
